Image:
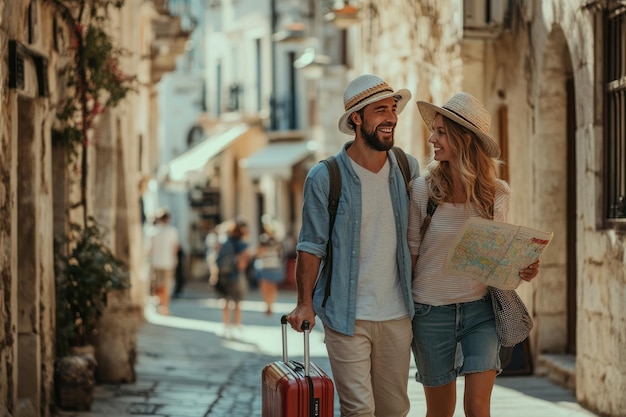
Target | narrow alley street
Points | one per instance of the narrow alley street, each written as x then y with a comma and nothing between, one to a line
186,369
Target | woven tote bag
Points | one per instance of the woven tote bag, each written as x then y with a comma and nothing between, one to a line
513,322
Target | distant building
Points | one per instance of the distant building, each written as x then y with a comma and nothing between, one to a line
244,146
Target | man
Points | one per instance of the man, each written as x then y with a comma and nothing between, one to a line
367,315
163,258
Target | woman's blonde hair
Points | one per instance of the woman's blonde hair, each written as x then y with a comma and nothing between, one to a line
477,171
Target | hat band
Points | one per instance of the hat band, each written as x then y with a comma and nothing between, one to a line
464,118
353,104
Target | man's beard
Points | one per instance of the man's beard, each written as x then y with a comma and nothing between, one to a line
372,140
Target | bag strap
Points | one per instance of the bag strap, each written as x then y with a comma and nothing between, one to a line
403,163
430,210
335,186
333,202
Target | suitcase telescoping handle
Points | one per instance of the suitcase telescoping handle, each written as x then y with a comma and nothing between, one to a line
306,329
283,322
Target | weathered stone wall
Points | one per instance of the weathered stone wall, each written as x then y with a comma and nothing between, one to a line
419,51
8,265
27,278
31,172
561,34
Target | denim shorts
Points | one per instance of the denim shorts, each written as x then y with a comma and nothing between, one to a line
453,340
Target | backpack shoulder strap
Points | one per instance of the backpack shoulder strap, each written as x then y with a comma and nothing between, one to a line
335,186
334,193
403,163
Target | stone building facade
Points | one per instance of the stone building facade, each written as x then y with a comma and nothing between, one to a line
541,68
39,186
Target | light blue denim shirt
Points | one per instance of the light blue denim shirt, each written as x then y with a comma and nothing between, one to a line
340,309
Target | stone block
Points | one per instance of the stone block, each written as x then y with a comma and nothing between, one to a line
116,343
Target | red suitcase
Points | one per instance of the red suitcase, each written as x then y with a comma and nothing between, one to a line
296,389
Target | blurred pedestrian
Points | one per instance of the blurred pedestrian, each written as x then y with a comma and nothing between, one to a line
211,243
179,281
232,261
163,258
269,265
290,255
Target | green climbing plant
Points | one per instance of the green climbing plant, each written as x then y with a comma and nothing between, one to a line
92,73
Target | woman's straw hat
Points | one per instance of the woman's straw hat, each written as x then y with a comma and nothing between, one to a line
466,110
365,90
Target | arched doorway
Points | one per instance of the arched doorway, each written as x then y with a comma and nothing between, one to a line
555,195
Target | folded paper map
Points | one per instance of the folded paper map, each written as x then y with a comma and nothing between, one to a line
494,252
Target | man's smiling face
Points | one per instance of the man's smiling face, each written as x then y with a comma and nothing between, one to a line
378,123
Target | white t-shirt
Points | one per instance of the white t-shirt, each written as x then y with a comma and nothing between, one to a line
163,246
379,295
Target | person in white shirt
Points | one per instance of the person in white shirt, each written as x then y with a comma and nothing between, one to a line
163,258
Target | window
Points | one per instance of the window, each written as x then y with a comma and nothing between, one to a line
234,97
259,75
614,61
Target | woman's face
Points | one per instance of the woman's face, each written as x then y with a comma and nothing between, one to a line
439,139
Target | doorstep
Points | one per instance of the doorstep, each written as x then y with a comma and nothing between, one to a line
560,369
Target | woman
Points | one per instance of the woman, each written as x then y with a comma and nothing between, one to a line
232,260
453,311
270,268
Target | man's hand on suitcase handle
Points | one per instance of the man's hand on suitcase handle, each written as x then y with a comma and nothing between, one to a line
299,316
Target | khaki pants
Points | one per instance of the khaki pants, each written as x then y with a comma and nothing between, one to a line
162,279
371,368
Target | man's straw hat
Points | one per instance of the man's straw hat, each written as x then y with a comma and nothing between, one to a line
365,90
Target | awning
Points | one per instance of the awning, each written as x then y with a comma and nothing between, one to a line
197,157
277,159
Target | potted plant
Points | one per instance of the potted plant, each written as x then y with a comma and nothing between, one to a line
86,270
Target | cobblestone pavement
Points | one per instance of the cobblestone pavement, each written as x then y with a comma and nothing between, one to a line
185,368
